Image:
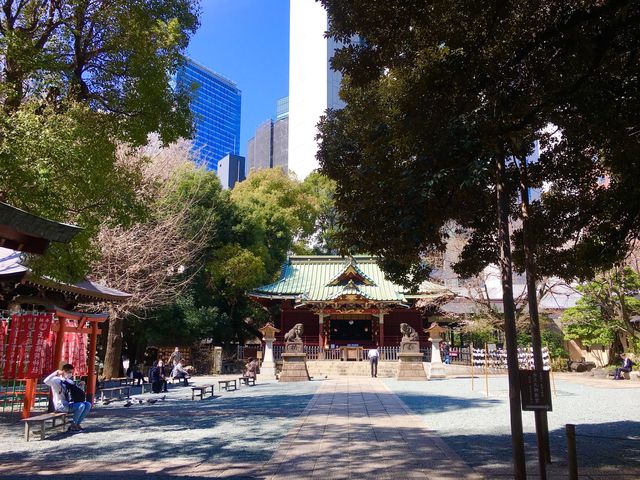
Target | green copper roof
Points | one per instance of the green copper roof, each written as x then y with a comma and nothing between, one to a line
313,279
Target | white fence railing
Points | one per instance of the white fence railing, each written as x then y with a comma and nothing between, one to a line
496,358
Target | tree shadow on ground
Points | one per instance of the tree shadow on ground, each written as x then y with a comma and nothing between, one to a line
422,403
598,446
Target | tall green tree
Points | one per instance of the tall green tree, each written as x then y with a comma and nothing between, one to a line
277,215
602,316
80,80
257,225
323,189
444,101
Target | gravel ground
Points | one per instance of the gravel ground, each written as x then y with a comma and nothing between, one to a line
245,425
477,427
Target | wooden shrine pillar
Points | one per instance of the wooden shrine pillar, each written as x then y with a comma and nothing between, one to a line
29,396
321,330
57,351
91,362
381,330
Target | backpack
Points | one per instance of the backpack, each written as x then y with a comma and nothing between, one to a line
73,393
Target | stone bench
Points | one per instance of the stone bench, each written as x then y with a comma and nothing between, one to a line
249,381
119,390
201,391
43,422
226,384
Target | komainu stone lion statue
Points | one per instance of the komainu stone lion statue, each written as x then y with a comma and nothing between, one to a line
295,334
408,333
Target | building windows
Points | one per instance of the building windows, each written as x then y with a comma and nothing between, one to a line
215,105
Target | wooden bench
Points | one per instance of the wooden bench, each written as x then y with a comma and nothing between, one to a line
127,381
226,384
121,389
42,421
249,381
144,387
201,391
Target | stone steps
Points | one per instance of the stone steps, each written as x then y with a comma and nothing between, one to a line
331,368
386,369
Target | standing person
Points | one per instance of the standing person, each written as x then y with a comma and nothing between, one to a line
62,385
175,357
627,363
374,356
445,352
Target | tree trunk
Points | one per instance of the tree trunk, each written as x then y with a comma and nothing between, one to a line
542,425
504,242
112,362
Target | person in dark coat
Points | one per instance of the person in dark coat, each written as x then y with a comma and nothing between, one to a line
155,379
163,375
627,364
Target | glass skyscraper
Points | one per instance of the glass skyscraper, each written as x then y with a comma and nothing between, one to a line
215,105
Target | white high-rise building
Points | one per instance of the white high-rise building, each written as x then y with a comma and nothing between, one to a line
313,86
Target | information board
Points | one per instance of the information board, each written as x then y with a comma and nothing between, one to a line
535,390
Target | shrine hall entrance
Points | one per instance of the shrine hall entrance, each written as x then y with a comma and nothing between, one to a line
351,330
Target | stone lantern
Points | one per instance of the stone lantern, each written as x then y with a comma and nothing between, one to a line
436,369
268,367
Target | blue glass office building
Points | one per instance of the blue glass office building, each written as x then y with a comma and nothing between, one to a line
215,105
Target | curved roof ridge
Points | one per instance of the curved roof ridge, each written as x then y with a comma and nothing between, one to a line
351,270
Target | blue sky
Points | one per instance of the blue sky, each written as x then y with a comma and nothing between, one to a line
247,41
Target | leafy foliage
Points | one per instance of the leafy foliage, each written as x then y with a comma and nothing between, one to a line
322,189
82,80
276,215
437,92
603,315
256,226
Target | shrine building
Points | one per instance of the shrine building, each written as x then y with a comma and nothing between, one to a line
344,302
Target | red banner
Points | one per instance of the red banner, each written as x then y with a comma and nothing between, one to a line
75,350
3,338
37,355
30,344
11,350
25,327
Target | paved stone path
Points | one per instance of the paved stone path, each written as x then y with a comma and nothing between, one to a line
357,428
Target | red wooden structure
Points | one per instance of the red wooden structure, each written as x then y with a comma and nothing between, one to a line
87,323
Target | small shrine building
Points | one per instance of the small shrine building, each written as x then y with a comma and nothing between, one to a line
344,302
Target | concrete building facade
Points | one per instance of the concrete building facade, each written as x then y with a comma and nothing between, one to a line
231,170
269,148
313,85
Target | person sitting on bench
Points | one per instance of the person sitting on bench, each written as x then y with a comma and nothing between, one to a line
163,375
180,373
67,397
251,368
626,367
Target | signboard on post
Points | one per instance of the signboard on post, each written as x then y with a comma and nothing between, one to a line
535,390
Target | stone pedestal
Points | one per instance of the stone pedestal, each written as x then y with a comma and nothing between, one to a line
268,367
436,367
410,362
294,367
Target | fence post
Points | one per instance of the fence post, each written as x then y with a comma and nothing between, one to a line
572,456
